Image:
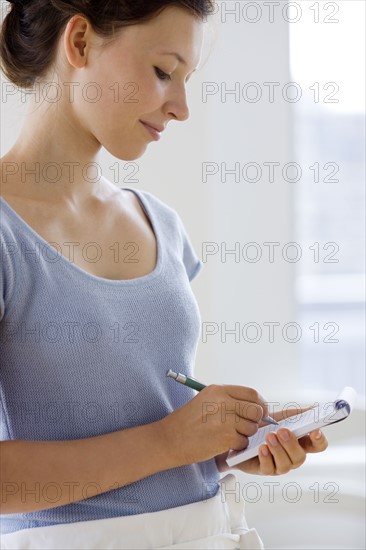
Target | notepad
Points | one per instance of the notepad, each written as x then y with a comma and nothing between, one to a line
301,424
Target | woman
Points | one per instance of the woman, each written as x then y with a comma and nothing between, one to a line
98,448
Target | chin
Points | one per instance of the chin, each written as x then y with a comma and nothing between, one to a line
127,154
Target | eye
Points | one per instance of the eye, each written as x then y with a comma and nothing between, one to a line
161,74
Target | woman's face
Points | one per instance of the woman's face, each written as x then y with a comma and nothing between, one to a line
133,79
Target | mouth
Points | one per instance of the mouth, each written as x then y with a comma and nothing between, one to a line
158,127
153,131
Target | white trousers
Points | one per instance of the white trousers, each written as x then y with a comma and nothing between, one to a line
217,523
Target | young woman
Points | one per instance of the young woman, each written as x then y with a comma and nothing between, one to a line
98,448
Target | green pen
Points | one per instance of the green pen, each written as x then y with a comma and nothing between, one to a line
186,380
196,385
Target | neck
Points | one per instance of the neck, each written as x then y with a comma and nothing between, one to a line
55,157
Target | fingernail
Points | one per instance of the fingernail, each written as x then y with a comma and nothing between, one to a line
318,434
264,451
273,440
284,435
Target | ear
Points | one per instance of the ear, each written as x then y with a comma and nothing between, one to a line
77,40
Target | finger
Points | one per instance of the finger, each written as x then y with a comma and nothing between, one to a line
314,442
245,394
267,466
292,447
281,459
250,411
243,444
246,427
319,440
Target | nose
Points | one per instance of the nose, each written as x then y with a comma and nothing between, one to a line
177,106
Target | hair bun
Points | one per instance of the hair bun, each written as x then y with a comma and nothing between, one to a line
19,2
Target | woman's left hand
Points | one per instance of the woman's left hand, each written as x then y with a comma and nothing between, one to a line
284,451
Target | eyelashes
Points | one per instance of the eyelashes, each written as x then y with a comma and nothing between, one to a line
161,75
164,76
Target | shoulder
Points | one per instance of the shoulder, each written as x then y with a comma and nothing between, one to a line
9,263
157,204
154,203
6,227
175,233
162,212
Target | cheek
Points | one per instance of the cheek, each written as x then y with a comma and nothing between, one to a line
110,106
105,103
143,90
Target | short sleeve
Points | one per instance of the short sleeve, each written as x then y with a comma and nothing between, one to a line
191,261
2,304
7,274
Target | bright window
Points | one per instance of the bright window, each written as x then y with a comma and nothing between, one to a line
327,48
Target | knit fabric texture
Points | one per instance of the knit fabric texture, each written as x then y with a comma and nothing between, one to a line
83,356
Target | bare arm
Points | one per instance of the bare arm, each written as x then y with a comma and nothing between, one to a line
37,475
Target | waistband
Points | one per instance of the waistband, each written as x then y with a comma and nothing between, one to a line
216,523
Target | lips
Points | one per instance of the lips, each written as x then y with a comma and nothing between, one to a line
159,128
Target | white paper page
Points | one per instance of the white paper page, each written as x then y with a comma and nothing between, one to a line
302,423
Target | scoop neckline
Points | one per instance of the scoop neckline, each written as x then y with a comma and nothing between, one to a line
85,274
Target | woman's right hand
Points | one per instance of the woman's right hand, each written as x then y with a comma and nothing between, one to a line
218,418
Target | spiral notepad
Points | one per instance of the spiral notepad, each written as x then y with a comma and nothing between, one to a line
301,424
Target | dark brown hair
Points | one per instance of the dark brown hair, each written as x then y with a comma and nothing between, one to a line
30,33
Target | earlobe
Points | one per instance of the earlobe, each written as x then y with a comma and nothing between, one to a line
76,41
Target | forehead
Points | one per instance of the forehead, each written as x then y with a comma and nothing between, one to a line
174,30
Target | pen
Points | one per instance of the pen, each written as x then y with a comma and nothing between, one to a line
194,384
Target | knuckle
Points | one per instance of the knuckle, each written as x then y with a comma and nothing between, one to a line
252,411
253,394
299,462
251,428
260,410
226,442
240,443
268,471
